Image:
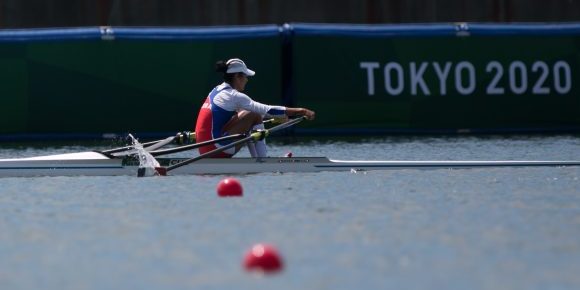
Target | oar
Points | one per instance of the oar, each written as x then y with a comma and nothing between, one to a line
195,145
131,150
190,136
259,135
151,145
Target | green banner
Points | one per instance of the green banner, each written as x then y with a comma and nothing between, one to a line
359,78
100,86
439,82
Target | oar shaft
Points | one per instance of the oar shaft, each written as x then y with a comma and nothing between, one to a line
129,147
179,139
254,136
210,153
196,145
286,124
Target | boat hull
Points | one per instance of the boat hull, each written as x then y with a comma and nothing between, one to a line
100,165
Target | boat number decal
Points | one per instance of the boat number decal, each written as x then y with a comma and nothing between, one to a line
293,160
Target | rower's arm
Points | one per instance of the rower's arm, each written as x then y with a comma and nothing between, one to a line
246,103
301,112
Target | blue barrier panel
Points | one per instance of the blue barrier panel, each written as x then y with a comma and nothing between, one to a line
378,31
539,29
203,33
28,35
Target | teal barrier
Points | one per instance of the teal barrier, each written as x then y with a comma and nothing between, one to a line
87,82
437,78
91,82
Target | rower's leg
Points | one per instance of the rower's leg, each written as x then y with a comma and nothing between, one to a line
260,145
252,149
242,123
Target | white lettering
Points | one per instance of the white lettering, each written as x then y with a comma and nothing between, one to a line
465,90
370,67
417,78
400,78
562,87
442,75
539,88
493,88
515,78
521,67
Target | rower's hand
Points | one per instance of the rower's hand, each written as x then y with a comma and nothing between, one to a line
310,115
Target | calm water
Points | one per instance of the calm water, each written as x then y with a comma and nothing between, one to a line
437,229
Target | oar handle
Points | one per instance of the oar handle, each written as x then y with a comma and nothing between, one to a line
286,124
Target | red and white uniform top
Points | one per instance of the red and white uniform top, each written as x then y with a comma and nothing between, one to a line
219,107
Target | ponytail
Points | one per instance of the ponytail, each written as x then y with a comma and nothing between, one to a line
222,67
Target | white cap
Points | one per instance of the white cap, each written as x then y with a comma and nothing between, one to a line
236,65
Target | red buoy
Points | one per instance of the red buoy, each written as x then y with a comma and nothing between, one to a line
229,187
263,258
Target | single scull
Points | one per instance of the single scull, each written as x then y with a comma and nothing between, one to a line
125,161
99,164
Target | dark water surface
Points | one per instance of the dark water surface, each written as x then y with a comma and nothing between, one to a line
503,228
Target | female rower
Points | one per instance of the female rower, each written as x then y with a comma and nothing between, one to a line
228,111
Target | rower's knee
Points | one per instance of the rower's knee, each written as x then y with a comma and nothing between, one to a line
254,117
257,118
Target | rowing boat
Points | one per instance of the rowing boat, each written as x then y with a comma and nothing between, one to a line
100,164
128,160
